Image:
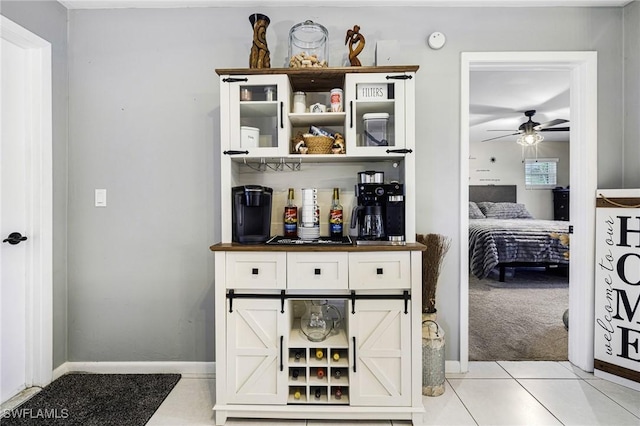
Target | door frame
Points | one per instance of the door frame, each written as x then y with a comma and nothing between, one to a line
583,181
39,251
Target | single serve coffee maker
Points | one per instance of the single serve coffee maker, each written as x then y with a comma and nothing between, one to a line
251,222
379,216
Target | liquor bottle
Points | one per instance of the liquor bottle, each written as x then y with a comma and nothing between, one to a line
335,216
320,373
338,393
319,354
290,217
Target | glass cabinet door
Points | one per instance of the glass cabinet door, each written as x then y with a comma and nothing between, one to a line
375,105
258,121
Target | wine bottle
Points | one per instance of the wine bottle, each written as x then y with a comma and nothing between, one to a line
290,218
337,374
318,393
319,354
338,392
295,374
335,216
320,373
296,395
336,356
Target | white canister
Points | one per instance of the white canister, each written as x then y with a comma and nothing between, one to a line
336,100
299,102
249,137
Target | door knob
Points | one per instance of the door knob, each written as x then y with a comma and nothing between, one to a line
14,238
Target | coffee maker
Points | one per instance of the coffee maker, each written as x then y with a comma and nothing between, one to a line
379,216
251,211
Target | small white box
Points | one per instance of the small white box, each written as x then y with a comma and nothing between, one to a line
387,52
249,137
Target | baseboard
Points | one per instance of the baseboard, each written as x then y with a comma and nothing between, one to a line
452,367
200,370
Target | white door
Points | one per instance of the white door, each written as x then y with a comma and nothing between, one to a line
25,208
380,339
13,218
256,342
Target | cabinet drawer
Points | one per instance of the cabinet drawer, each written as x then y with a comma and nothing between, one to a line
256,270
311,271
379,270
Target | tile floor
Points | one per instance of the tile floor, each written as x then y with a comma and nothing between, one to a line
491,393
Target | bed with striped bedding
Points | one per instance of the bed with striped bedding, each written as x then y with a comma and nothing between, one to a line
514,242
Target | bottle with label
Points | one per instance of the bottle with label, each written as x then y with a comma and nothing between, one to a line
335,216
290,217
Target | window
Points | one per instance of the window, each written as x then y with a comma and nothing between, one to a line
540,173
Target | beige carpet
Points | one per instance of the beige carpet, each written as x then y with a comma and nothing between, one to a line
520,319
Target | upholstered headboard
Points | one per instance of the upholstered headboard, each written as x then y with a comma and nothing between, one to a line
494,193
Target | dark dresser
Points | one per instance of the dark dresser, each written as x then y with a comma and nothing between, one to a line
561,204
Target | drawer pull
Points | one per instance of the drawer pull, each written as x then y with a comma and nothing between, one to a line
317,271
379,271
254,271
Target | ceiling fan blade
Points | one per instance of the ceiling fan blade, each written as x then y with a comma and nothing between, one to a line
555,129
498,137
550,123
498,130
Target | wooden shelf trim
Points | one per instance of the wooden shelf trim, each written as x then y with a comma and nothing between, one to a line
303,248
317,79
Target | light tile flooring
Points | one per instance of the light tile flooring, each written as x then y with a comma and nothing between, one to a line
491,393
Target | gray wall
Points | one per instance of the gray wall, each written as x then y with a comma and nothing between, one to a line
48,19
144,124
632,95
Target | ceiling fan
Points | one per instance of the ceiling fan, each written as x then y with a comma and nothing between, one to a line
528,130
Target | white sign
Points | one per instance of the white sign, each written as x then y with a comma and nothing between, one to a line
372,92
617,292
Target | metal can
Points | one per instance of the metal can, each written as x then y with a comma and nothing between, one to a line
336,100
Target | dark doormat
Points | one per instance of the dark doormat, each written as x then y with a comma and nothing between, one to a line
94,400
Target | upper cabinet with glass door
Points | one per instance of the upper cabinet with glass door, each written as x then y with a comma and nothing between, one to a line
379,106
257,115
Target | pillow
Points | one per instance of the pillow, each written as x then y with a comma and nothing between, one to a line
506,211
474,211
484,206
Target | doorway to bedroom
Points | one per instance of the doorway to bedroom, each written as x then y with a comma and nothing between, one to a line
518,214
582,68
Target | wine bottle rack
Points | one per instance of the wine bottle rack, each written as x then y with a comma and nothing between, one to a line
306,386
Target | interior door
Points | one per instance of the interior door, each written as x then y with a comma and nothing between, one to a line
256,342
13,218
380,339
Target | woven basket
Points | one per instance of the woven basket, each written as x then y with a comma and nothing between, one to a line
318,144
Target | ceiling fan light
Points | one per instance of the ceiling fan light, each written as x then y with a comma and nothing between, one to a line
530,139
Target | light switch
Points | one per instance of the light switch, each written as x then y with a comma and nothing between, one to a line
101,198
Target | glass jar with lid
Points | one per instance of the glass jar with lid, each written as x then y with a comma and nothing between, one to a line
308,45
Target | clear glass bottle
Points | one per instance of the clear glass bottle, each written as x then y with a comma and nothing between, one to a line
290,217
335,216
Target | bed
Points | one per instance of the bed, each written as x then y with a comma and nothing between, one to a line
503,234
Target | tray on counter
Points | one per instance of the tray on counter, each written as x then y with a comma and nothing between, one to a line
322,241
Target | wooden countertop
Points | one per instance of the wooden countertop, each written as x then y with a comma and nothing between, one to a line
303,248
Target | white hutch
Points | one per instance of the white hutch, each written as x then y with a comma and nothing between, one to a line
373,364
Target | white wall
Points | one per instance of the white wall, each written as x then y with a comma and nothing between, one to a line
143,121
500,163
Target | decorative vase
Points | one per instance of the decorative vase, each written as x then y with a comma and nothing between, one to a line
259,57
433,353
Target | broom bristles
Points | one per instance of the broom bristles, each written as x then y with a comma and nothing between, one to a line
432,258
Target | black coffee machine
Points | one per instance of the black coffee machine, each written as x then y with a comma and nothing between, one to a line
251,223
379,215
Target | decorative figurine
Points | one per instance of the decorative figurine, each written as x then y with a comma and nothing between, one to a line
259,57
354,38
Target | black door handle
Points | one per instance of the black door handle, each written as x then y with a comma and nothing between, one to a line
14,238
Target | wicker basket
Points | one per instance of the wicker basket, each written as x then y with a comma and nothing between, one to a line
318,144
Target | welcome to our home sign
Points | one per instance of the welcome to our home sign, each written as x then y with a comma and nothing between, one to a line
617,286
